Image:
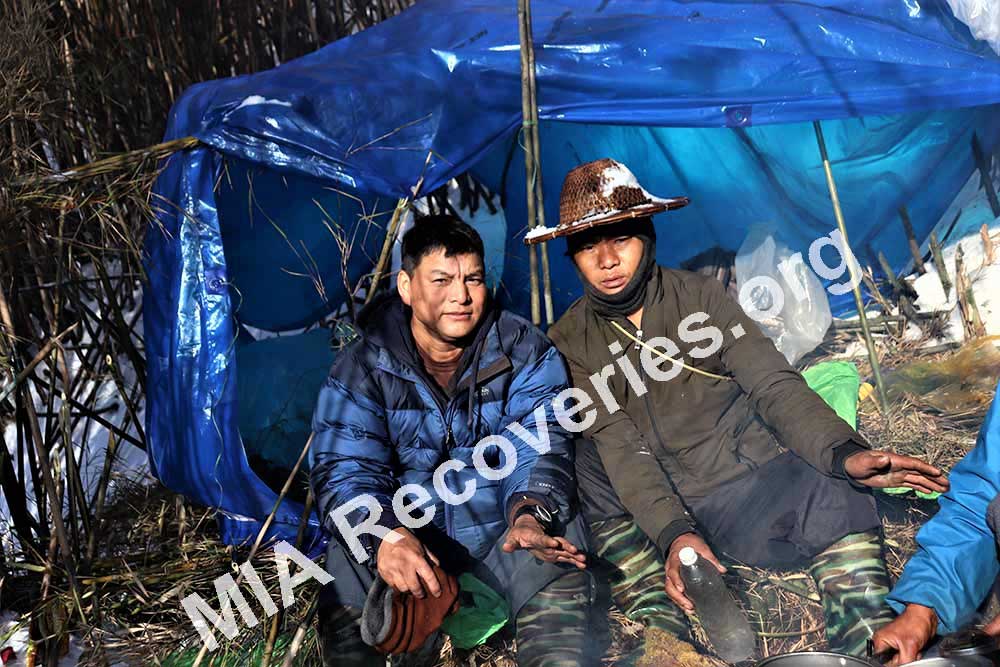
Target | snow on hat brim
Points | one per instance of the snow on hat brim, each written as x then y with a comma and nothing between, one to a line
539,234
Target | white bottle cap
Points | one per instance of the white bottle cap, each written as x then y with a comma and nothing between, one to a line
688,556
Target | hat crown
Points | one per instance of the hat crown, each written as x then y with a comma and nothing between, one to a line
599,188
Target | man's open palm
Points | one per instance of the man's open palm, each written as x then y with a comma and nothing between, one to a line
527,534
881,470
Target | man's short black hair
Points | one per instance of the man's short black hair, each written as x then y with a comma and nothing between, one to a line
436,232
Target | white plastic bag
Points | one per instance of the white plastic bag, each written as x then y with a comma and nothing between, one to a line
794,315
982,17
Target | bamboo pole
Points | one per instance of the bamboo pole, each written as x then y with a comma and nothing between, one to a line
42,354
113,164
855,279
536,146
300,633
529,154
272,635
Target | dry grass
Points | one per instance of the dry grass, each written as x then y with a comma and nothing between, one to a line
84,79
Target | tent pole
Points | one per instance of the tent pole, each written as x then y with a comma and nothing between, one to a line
529,153
536,146
852,268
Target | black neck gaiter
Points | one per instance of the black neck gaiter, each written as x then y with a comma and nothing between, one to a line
631,298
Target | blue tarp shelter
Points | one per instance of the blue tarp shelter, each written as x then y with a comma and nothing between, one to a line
709,99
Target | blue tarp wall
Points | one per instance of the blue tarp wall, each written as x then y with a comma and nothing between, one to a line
712,100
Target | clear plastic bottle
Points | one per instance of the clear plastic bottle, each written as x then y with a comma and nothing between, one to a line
721,617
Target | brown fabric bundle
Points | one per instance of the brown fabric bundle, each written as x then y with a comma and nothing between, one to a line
396,623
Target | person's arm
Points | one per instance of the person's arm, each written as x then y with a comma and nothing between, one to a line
956,559
350,456
907,634
646,492
544,469
543,474
636,475
801,420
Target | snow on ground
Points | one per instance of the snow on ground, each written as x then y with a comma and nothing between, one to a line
14,634
960,225
89,438
972,210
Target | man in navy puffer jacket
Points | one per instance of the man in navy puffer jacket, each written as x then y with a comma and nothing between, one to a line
436,441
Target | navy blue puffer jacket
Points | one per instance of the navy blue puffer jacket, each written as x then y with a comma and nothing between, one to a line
381,423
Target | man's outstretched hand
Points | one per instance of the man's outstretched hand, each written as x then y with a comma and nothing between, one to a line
907,634
881,470
526,533
405,565
675,585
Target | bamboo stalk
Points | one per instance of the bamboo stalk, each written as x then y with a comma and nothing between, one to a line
971,318
988,247
272,634
529,155
386,254
536,147
918,259
942,269
102,489
42,354
55,504
855,279
300,633
111,165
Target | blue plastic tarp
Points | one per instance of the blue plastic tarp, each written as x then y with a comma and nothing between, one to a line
435,92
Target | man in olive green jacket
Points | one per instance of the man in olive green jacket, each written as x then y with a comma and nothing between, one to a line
732,452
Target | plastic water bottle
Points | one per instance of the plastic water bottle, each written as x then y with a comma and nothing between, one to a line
721,617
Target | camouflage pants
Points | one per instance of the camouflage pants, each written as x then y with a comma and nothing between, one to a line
853,584
637,576
850,575
553,629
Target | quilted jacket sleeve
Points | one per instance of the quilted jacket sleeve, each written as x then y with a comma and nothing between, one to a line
544,469
351,456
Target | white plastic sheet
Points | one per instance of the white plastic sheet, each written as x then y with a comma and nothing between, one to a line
982,17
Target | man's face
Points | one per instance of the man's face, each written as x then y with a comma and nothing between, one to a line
447,294
609,262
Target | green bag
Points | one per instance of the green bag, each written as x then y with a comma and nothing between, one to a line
481,613
837,383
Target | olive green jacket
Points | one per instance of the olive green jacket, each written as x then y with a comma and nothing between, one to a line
684,437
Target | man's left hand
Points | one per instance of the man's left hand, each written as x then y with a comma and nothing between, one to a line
526,533
881,470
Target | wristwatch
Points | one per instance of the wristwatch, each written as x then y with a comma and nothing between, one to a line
543,516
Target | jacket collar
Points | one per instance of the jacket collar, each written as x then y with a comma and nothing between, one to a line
387,327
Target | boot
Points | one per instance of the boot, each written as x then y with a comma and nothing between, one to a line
853,583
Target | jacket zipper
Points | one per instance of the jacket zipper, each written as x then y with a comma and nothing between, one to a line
449,514
649,411
652,421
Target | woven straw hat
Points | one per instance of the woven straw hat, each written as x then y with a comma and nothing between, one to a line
598,193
